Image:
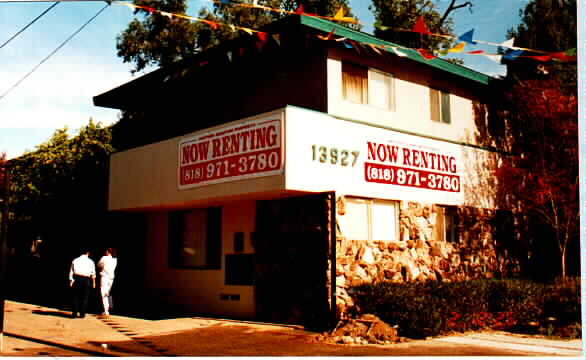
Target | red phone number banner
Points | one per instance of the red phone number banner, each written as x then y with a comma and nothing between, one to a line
395,175
251,163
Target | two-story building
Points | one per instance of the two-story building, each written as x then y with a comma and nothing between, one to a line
274,174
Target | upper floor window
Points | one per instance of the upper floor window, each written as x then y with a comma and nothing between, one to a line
195,238
362,85
440,106
368,219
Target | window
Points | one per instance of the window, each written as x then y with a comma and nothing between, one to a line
440,106
362,85
367,219
195,238
446,224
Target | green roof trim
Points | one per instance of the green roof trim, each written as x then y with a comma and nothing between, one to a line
340,30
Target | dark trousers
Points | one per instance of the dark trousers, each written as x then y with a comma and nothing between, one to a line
81,294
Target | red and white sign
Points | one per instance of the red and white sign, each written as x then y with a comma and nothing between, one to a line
405,165
238,151
329,154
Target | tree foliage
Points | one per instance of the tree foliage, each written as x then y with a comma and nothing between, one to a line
540,180
546,25
393,18
59,191
157,40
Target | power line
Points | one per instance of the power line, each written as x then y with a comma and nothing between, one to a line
29,24
53,52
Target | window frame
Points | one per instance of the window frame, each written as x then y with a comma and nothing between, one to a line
446,224
370,225
367,91
440,106
213,238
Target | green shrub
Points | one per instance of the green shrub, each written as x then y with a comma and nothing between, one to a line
433,308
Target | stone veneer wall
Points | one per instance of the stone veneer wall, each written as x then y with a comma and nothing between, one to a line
422,254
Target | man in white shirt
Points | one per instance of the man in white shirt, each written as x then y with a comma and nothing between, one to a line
82,278
107,265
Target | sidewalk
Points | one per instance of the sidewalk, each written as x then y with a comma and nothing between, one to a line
124,336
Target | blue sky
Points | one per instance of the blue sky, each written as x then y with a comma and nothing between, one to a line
59,93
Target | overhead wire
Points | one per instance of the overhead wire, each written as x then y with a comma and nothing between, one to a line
54,51
29,24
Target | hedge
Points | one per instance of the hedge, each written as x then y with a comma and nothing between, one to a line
434,308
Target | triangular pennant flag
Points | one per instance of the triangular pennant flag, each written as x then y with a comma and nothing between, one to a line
300,10
375,48
340,14
356,45
150,9
475,52
229,55
262,36
420,26
512,54
399,53
495,58
382,27
458,48
509,43
426,54
169,15
561,56
277,39
571,52
329,36
467,37
543,58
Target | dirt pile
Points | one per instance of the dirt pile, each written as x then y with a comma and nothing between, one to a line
367,329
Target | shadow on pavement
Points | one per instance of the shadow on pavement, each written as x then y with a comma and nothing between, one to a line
52,313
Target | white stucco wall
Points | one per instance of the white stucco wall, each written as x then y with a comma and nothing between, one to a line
412,108
200,290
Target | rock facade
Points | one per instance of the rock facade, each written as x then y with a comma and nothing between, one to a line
423,253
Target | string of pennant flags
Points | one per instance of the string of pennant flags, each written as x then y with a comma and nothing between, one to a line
511,53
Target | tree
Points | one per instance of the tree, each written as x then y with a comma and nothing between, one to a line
60,190
551,26
540,179
158,40
393,18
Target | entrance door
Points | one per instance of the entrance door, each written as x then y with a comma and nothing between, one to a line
291,245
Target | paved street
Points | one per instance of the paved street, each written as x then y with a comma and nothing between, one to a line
125,336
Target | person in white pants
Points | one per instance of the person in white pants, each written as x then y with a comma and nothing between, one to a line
106,266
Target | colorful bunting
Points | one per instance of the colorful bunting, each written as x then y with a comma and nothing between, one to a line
375,49
543,58
495,58
426,54
300,10
420,26
329,36
467,37
511,52
399,53
458,48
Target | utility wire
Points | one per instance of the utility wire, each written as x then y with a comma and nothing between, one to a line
53,52
29,24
